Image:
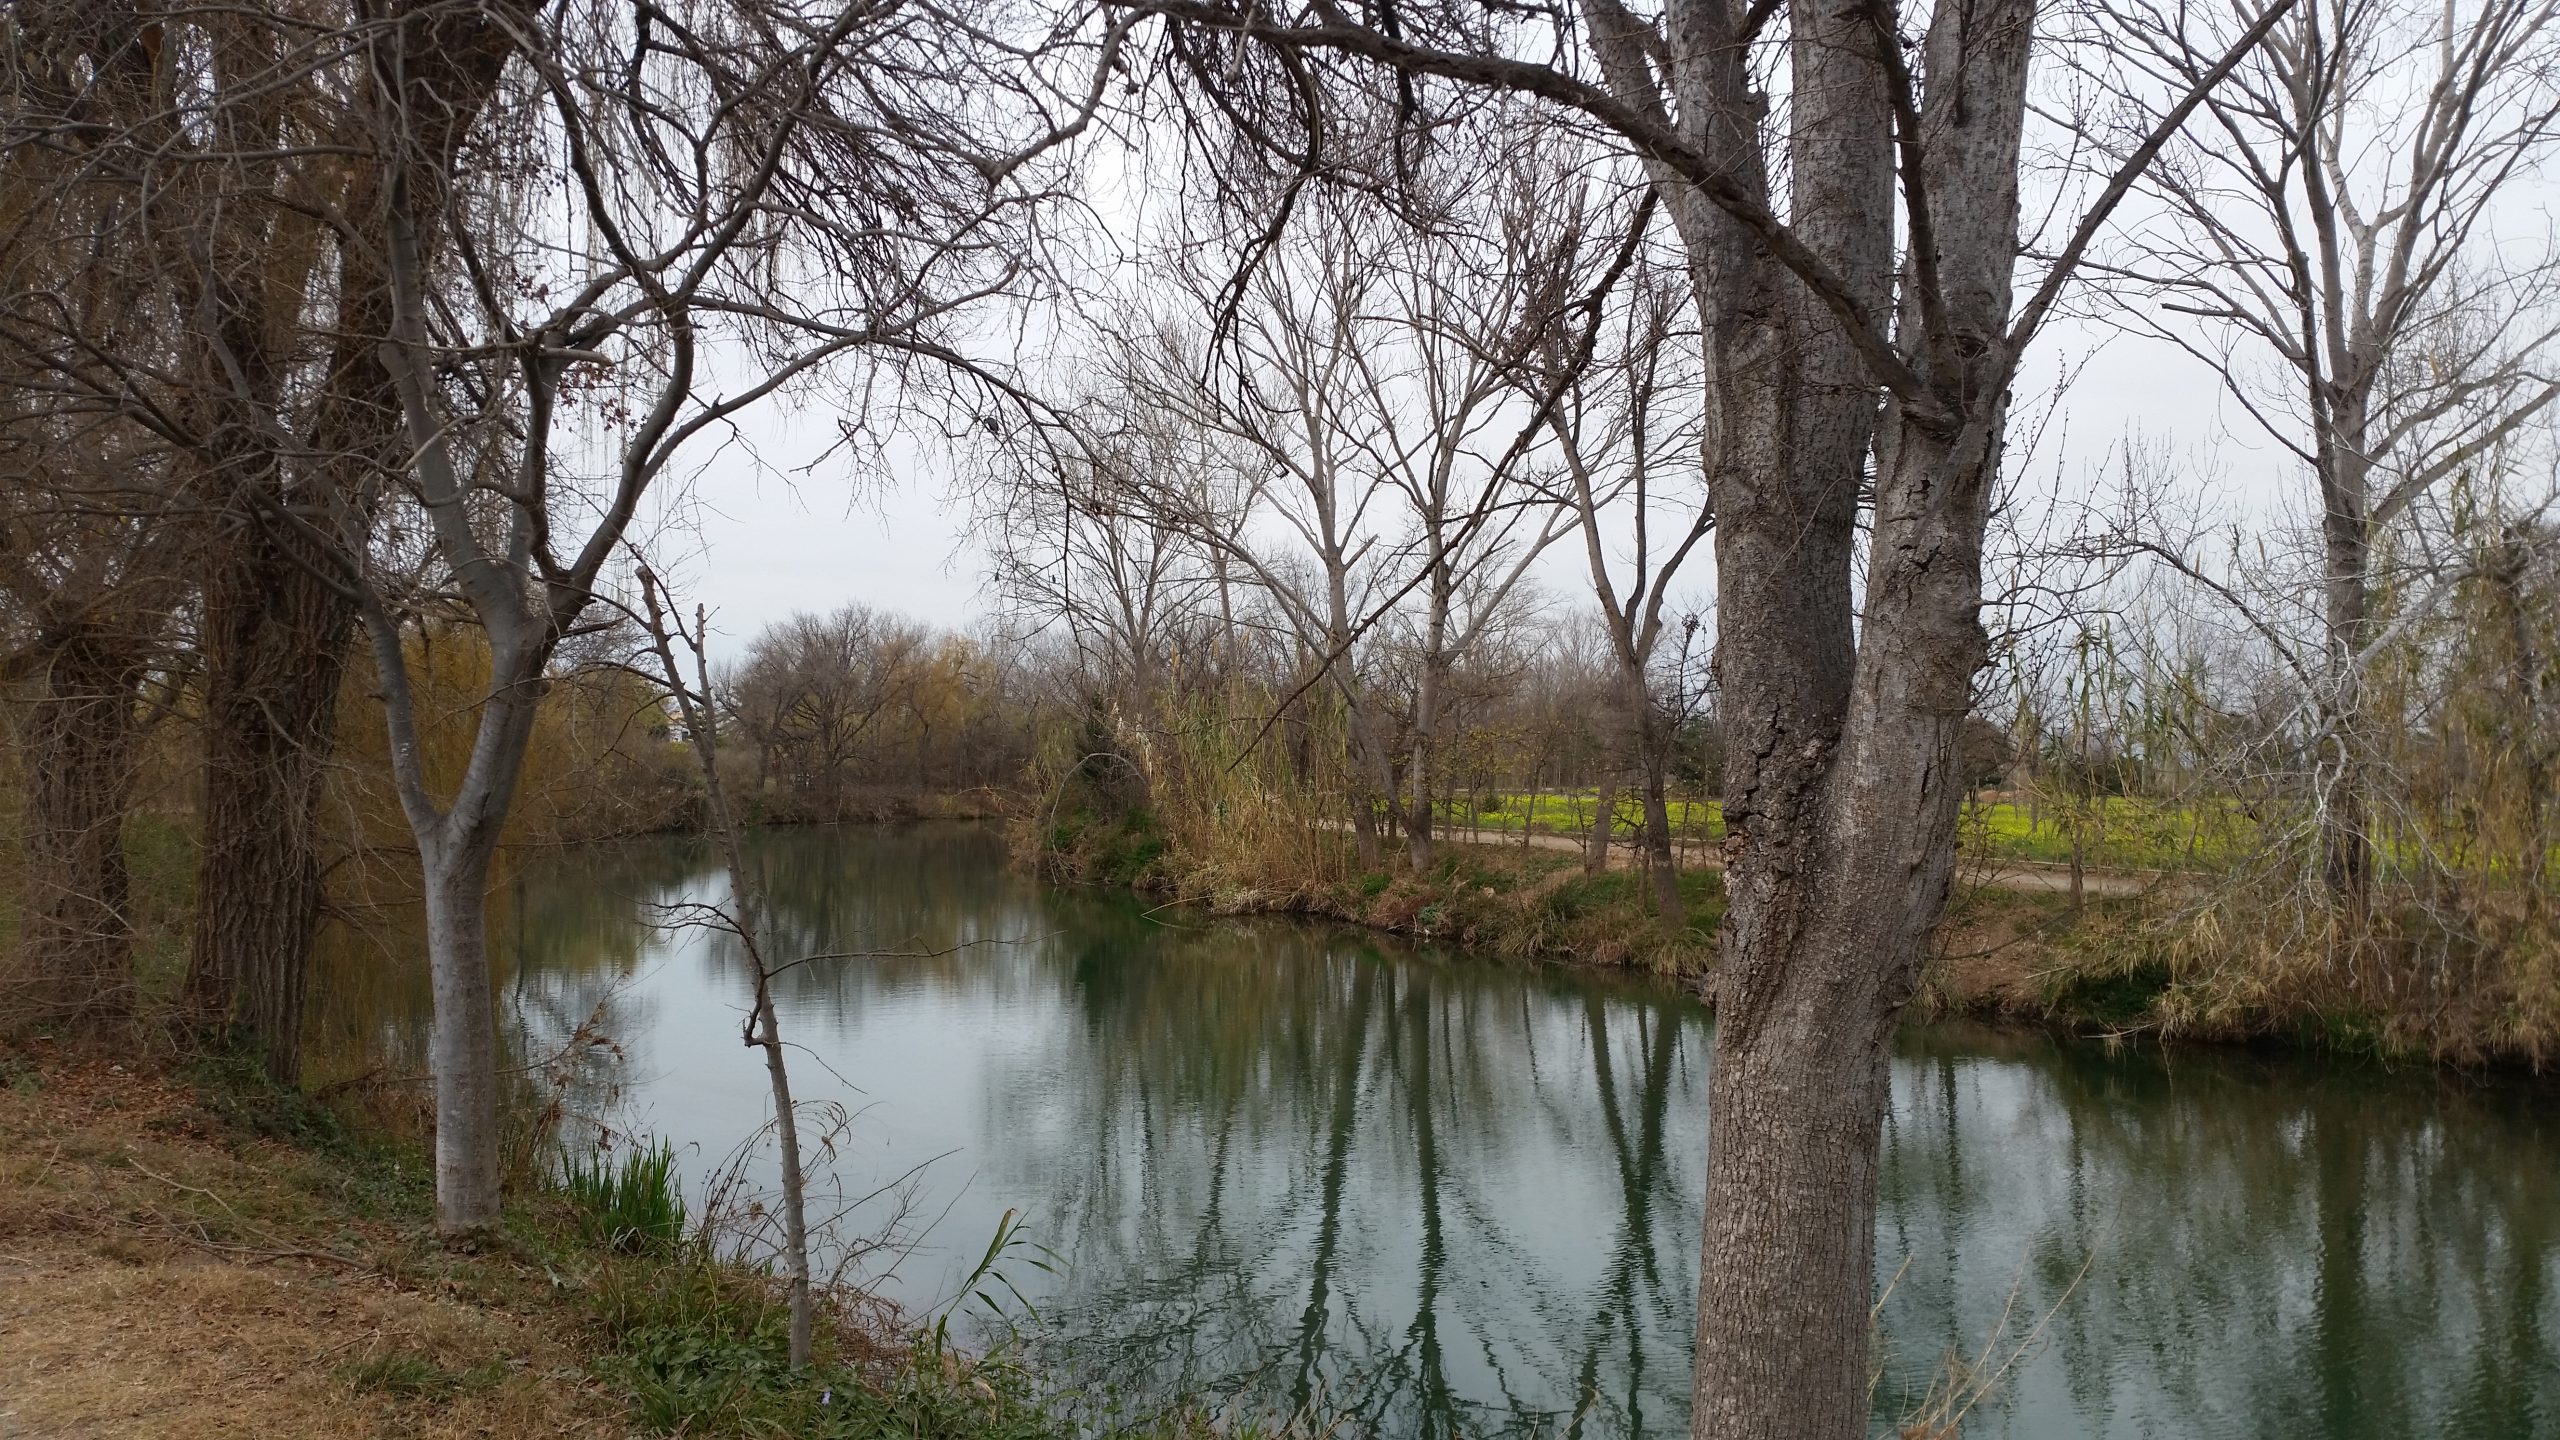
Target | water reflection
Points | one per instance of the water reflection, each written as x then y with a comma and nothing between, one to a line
1293,1167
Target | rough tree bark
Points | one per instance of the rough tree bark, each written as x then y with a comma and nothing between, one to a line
73,964
276,626
275,638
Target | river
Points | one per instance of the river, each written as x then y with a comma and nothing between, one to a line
1291,1167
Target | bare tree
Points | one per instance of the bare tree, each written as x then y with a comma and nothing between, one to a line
275,632
95,596
212,169
2343,242
1630,464
1371,452
92,544
1137,594
697,706
1829,340
1306,522
814,687
674,198
1448,436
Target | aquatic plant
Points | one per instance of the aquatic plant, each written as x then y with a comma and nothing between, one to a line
629,1202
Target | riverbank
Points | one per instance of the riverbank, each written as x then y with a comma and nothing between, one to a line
2165,956
190,1253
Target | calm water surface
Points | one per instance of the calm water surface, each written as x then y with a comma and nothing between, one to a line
1292,1165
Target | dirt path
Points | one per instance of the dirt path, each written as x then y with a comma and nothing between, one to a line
2022,877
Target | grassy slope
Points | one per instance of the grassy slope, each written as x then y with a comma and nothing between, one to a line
199,1257
2116,967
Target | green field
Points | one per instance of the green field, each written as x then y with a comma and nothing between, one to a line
2114,832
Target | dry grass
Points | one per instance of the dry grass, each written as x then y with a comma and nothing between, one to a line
162,1274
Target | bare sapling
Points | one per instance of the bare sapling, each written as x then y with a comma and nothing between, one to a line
762,1030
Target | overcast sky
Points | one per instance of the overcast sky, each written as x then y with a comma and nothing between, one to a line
760,539
774,526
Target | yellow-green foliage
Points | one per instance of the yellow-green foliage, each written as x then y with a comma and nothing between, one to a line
1161,797
600,762
2115,832
1571,812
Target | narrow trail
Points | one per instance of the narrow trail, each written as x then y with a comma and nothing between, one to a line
2018,876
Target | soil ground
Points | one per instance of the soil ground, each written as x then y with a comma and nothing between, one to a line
164,1272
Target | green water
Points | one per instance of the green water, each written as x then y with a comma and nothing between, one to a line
1292,1167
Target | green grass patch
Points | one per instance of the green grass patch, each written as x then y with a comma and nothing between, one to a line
412,1376
2121,997
628,1202
2115,832
235,1088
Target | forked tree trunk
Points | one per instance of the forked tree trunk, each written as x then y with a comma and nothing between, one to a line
72,968
1819,961
1843,777
456,845
275,642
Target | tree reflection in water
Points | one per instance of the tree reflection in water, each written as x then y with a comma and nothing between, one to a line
1295,1168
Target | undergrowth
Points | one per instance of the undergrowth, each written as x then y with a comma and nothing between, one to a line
629,1202
699,1344
598,1286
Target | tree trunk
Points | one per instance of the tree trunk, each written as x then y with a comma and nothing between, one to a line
1650,742
1595,841
2346,843
1364,831
1842,779
1366,789
464,1046
1664,865
1417,818
73,966
1819,962
1426,704
276,636
275,641
786,1137
696,706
